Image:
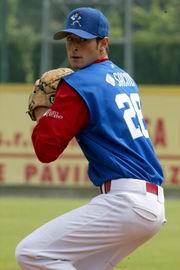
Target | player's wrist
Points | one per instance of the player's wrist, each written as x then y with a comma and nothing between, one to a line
39,112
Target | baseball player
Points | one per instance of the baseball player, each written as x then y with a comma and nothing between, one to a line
99,104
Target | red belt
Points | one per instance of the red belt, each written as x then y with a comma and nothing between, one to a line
150,187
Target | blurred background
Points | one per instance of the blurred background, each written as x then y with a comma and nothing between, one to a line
145,41
143,34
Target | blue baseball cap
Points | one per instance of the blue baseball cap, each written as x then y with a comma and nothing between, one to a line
86,23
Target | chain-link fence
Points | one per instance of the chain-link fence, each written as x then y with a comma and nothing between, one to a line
142,34
28,28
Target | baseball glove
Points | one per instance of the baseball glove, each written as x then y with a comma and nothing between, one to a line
45,89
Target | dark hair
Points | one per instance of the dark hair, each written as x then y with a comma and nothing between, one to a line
99,39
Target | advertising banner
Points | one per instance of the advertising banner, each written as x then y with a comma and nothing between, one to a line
19,165
161,109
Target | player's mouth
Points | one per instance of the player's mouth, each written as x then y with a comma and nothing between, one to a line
76,57
76,61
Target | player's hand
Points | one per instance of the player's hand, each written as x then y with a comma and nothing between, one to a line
44,91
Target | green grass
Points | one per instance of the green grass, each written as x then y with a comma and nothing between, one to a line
19,216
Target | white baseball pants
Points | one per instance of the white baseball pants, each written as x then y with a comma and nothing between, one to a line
97,235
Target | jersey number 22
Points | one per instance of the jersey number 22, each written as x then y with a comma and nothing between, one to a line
131,113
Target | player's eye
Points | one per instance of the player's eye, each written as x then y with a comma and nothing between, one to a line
83,39
69,39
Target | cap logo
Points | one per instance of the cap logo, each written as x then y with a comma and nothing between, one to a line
76,19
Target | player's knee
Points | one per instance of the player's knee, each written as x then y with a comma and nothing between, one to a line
23,254
20,254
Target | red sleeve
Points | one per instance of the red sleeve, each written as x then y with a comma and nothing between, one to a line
67,116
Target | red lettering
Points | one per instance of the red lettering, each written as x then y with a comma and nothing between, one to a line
76,174
175,172
86,177
63,173
2,166
17,138
30,171
47,174
160,135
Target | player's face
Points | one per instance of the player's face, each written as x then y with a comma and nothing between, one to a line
82,52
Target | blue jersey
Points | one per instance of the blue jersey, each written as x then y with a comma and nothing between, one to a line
116,142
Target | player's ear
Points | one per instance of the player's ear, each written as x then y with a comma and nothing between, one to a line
104,44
